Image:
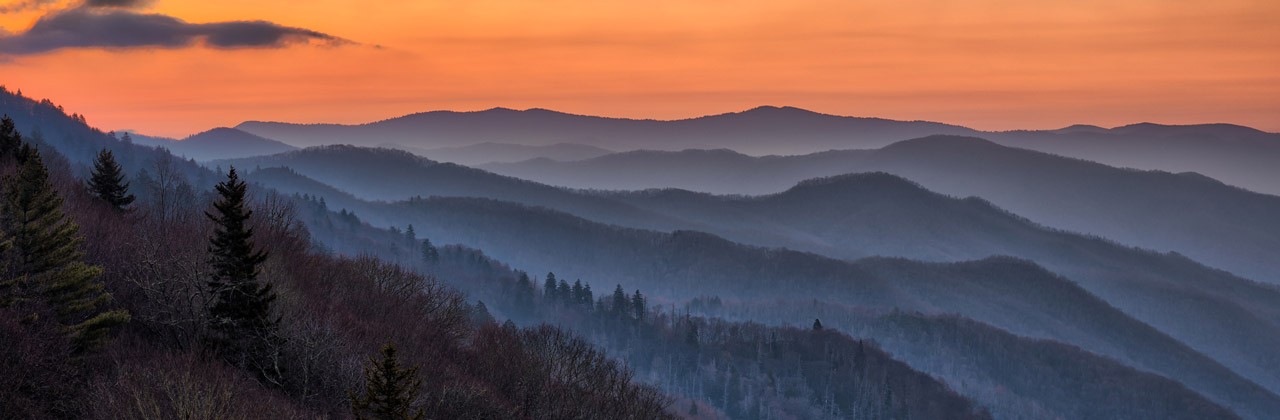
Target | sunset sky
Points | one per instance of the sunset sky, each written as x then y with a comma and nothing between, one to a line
988,64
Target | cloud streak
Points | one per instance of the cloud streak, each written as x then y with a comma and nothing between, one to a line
116,28
120,4
24,5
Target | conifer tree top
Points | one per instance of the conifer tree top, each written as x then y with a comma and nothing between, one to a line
108,181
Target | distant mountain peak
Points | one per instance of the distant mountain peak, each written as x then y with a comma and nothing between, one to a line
773,110
1081,128
1209,127
223,132
875,179
935,142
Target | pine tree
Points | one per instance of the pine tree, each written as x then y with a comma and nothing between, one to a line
620,303
524,294
587,297
817,325
390,389
10,139
564,292
575,294
409,234
637,305
107,181
45,260
549,287
430,254
240,317
8,285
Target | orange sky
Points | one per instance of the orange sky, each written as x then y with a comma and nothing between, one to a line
989,64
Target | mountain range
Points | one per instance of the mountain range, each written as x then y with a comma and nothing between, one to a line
1214,223
1021,282
521,236
1236,155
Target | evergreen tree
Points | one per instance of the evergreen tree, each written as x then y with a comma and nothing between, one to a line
8,285
549,287
390,390
43,256
637,305
587,298
564,292
409,234
480,313
817,325
10,139
524,294
575,294
430,254
240,317
620,303
107,181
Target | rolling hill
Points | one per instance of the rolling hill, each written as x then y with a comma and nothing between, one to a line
1217,224
489,152
1008,293
218,143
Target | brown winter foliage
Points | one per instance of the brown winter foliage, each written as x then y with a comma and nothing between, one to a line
334,312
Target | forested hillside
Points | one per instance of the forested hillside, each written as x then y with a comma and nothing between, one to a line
138,335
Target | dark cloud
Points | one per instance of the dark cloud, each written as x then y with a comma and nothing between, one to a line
24,5
85,28
120,4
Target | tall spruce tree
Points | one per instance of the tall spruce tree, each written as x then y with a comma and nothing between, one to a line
8,284
390,389
549,287
10,139
638,305
108,182
43,257
430,254
243,330
587,298
575,294
564,292
620,303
